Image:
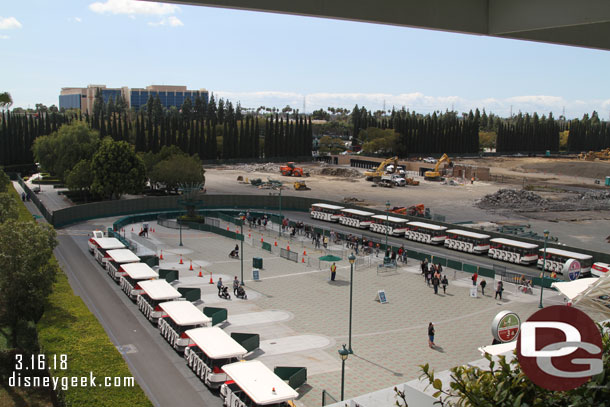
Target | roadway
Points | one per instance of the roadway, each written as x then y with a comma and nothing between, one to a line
158,369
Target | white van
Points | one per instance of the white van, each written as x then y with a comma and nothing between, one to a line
115,258
97,234
132,274
254,384
154,292
177,318
212,349
105,244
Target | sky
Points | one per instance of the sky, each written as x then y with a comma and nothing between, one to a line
274,60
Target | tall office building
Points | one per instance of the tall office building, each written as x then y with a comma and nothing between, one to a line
83,98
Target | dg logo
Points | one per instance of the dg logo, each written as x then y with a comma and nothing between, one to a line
559,348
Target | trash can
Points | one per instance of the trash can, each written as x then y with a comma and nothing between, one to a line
548,153
608,181
257,262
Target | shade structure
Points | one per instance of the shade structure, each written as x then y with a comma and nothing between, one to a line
330,257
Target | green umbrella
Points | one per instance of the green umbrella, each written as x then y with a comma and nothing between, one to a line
329,257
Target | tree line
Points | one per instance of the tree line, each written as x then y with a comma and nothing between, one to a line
528,133
588,133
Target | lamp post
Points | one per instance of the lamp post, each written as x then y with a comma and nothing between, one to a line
343,353
546,237
281,220
241,225
351,259
180,232
387,226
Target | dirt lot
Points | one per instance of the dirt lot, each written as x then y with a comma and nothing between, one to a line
552,179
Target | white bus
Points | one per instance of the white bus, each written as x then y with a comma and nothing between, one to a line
329,213
426,232
212,349
153,293
103,246
97,234
556,258
513,251
114,260
177,318
356,218
466,241
396,226
254,384
132,274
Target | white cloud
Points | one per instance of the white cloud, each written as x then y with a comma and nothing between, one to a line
132,7
9,23
417,101
171,21
75,19
4,37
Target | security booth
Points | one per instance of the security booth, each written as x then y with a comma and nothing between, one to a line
177,318
92,243
153,293
212,348
116,258
132,274
103,245
254,384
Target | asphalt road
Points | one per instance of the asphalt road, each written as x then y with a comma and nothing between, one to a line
158,369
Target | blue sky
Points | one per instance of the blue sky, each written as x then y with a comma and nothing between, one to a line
274,60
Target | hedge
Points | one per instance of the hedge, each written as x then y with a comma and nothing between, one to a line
67,327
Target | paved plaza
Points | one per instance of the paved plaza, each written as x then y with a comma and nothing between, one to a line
302,317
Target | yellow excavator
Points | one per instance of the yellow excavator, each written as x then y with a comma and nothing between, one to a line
380,171
436,175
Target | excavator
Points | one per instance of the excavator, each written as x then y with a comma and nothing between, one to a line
380,171
436,175
290,170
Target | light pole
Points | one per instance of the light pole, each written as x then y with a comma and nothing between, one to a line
344,353
281,220
387,226
241,225
546,237
351,259
179,223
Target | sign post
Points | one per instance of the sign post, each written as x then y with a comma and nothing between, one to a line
381,297
571,270
505,326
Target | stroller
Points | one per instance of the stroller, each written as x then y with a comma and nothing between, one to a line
241,293
224,293
234,254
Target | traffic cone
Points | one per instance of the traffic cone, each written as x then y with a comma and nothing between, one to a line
161,257
227,229
288,247
181,262
153,230
304,253
249,236
191,267
275,244
262,239
200,274
303,259
211,280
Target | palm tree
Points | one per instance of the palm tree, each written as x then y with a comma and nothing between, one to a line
5,100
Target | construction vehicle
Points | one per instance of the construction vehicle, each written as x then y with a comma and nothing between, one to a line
412,182
416,210
436,175
376,175
301,186
290,170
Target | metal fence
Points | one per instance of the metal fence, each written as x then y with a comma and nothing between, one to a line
327,398
289,255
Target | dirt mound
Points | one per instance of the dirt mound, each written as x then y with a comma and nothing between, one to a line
526,201
512,199
266,167
339,172
586,169
352,200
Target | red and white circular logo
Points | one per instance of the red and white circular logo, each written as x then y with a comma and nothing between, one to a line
559,348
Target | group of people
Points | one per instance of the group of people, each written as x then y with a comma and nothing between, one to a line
238,290
483,284
433,274
254,221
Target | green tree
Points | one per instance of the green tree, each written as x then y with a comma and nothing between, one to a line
6,100
4,181
26,273
332,145
117,170
80,177
178,170
8,209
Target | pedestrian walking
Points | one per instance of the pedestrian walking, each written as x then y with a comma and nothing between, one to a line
483,283
325,242
219,285
499,289
445,283
435,283
235,285
474,278
333,272
431,335
428,277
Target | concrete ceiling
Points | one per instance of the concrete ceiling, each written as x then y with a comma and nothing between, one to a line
581,23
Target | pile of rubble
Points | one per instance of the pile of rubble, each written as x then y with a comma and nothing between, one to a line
266,167
513,199
339,172
594,195
352,200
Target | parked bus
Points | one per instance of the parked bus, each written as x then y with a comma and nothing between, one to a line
356,218
97,234
426,232
115,258
177,318
254,384
132,274
212,348
556,258
103,246
513,251
466,241
396,226
153,293
329,213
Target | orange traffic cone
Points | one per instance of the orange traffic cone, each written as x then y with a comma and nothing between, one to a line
211,280
262,240
200,275
181,262
275,244
304,253
303,259
161,257
249,236
288,247
153,230
227,228
191,267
